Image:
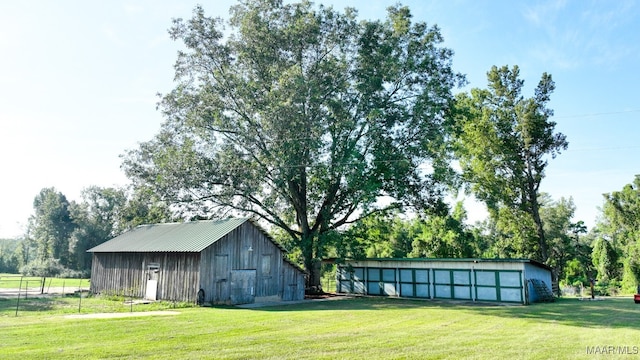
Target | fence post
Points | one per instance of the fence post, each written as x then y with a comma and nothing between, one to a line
18,303
80,292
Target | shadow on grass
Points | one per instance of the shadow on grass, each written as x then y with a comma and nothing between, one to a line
39,304
608,313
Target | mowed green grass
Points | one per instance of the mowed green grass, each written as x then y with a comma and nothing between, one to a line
13,281
362,328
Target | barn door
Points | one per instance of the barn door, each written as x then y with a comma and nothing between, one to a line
153,271
243,286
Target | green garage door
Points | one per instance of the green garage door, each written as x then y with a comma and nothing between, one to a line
381,281
351,280
452,284
414,283
494,285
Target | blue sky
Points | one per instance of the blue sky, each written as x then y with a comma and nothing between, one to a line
78,84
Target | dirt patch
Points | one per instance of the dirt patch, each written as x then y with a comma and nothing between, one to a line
321,296
120,315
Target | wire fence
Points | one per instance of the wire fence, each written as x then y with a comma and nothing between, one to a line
14,285
31,296
27,292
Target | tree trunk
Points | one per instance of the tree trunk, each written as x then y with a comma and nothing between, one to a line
311,263
542,241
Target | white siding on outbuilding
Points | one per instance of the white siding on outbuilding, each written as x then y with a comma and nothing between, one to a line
501,280
536,272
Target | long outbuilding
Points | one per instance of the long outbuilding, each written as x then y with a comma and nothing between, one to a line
231,261
499,280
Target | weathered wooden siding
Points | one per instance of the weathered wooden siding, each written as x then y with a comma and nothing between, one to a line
121,274
245,248
293,283
181,275
127,274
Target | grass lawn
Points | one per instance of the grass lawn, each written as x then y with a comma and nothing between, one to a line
360,328
12,281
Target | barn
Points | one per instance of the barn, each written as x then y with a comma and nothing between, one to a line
231,261
500,280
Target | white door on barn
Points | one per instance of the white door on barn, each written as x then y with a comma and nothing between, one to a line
153,271
243,286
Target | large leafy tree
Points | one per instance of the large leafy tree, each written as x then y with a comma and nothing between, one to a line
564,236
51,226
9,261
445,236
620,229
143,207
383,235
505,141
97,220
301,116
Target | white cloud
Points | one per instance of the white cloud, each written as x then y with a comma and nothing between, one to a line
582,33
109,32
133,9
544,13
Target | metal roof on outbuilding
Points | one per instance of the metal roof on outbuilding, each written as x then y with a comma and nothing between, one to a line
472,260
174,237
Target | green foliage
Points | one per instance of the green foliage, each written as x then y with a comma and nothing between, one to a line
503,142
606,288
51,226
605,260
382,235
61,232
445,236
631,267
389,236
9,255
620,224
574,274
303,117
578,266
142,207
43,268
97,219
514,234
564,238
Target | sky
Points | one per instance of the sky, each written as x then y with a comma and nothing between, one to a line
79,83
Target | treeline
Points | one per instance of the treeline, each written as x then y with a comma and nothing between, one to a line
449,235
608,254
305,118
60,231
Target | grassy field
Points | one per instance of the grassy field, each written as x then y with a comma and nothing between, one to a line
339,329
11,281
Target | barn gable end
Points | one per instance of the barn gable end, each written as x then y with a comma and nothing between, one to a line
229,261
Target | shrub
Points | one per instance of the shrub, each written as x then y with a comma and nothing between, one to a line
49,267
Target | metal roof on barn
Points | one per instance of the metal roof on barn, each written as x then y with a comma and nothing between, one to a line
192,236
